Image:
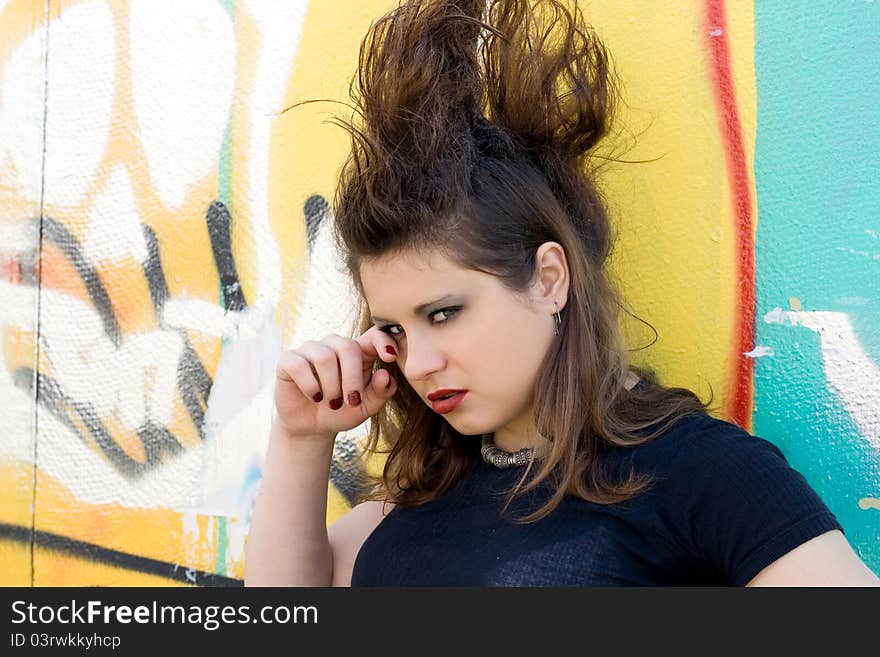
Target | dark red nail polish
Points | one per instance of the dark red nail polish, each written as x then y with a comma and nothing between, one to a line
354,398
389,349
318,397
336,404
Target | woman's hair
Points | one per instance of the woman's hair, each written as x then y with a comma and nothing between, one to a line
474,132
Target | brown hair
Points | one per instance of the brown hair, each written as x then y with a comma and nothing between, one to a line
474,136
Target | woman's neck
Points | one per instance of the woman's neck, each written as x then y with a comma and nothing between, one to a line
512,438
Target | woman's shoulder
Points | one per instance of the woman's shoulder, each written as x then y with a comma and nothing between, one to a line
704,443
730,497
707,462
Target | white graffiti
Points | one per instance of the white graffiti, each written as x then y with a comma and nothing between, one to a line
850,371
759,351
135,381
114,234
21,126
183,77
77,123
184,83
280,25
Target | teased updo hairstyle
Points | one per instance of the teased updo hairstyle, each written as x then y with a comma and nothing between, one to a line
472,137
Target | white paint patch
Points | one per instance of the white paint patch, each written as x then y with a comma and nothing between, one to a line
328,303
183,75
82,79
850,371
17,419
21,120
18,303
150,360
246,367
716,32
231,452
194,315
237,421
115,231
758,351
82,357
211,319
776,316
16,404
136,381
872,233
18,238
280,26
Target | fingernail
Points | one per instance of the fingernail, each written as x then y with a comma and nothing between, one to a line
354,398
336,404
390,350
318,397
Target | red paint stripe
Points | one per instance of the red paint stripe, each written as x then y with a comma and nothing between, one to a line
740,383
11,270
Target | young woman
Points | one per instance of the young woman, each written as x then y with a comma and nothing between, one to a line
523,449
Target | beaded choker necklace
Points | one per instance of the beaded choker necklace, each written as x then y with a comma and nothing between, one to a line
501,459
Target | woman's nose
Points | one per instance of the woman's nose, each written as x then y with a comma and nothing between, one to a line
421,359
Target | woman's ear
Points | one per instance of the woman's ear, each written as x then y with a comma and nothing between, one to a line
552,279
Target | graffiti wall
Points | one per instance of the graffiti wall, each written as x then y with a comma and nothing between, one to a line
164,233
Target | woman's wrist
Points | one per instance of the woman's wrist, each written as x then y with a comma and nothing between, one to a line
280,432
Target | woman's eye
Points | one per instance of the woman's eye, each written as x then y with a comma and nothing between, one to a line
436,317
443,314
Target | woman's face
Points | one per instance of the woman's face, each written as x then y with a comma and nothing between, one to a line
459,329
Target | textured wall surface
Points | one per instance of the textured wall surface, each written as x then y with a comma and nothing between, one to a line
818,252
163,234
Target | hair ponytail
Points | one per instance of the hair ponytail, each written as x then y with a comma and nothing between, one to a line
418,89
549,82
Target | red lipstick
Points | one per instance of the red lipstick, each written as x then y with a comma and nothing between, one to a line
446,399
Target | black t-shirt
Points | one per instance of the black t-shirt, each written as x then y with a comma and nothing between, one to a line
724,505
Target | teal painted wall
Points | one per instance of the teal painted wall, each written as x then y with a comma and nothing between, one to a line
817,162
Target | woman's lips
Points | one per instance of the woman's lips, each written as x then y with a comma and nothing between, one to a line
445,405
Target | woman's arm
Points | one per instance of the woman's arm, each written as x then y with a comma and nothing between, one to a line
826,560
287,542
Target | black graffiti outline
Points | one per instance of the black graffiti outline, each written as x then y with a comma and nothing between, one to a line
157,441
117,558
193,380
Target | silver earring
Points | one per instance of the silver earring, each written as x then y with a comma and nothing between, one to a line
558,318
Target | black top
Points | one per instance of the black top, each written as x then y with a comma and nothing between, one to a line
724,505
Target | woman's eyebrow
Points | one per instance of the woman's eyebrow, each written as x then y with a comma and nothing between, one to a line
418,310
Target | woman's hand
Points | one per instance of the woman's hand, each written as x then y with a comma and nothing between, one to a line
328,386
